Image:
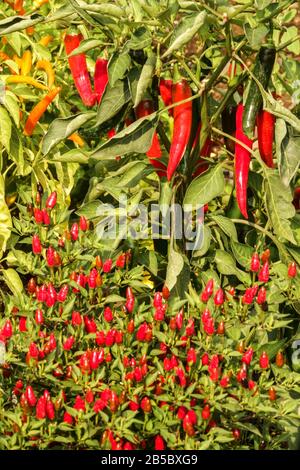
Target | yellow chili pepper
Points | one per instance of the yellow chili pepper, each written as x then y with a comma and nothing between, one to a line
46,65
26,63
46,40
39,3
26,80
38,111
76,139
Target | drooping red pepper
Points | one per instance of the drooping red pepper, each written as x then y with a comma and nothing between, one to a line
79,69
183,115
242,162
265,131
100,78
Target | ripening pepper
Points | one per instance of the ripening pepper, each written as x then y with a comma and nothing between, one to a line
292,270
36,245
51,200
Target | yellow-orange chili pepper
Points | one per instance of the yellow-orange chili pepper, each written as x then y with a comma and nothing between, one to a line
30,30
38,111
46,40
39,3
25,79
26,63
46,65
76,139
18,61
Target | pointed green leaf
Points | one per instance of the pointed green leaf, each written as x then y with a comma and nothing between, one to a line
113,100
205,187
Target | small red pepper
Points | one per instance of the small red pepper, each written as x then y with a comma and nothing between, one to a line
79,69
183,115
265,131
242,162
100,78
36,245
51,200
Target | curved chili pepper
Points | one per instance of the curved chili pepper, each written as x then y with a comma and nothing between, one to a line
25,79
183,115
39,110
47,67
145,108
18,7
265,131
101,78
26,63
79,69
242,162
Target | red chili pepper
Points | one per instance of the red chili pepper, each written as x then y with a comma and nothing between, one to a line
46,217
79,69
263,275
51,200
36,245
261,296
63,292
255,263
74,231
68,344
101,78
264,360
265,131
292,270
247,357
30,396
39,316
242,162
83,223
145,108
165,90
107,265
50,412
219,297
183,115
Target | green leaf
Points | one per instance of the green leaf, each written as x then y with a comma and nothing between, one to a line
17,154
262,4
145,79
140,39
255,36
5,128
274,107
133,175
85,46
206,243
62,128
278,199
242,253
13,281
205,187
113,100
12,106
108,9
271,348
287,150
176,270
226,225
226,265
135,138
19,23
73,156
185,31
118,66
5,218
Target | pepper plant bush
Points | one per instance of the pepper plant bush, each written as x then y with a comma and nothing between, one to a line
129,343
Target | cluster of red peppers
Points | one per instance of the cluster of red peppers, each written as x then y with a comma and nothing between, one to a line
80,74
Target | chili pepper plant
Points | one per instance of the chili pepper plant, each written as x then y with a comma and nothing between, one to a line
110,339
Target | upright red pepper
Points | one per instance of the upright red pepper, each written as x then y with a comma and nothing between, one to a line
242,162
79,69
265,131
165,90
183,115
100,78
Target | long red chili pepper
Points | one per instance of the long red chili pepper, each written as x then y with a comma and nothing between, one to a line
265,130
79,69
183,115
145,108
100,78
242,162
39,110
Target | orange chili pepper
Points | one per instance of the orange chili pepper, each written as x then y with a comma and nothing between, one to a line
30,30
46,40
38,111
26,63
18,7
27,80
46,65
76,139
